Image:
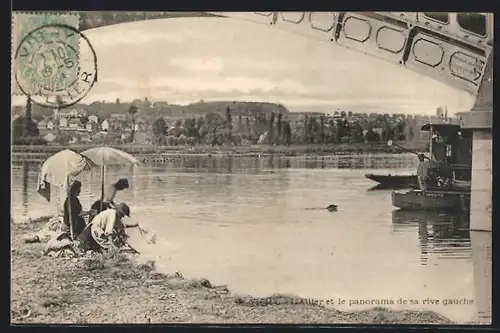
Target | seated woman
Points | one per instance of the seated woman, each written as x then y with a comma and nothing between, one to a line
73,208
107,201
106,231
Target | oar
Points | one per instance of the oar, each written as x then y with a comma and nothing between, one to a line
391,143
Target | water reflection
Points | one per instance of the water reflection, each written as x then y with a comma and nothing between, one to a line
446,236
441,235
231,163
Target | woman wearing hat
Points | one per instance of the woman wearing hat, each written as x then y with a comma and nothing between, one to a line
106,230
107,201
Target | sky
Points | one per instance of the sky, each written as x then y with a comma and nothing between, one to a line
184,60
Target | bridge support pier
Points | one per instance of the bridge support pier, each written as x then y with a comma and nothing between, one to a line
480,120
481,187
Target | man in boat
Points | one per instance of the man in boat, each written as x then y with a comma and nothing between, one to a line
430,171
423,172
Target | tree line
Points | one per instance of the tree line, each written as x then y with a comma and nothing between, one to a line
243,124
218,129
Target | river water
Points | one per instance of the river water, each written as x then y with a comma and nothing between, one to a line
257,225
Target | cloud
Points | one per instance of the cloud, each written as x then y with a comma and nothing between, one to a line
209,58
134,34
213,87
199,64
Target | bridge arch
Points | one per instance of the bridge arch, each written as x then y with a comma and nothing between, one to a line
452,48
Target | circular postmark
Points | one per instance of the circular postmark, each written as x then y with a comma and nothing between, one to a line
55,65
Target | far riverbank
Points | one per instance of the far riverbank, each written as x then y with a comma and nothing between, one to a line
40,153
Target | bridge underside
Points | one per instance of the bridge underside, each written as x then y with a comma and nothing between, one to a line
424,44
450,47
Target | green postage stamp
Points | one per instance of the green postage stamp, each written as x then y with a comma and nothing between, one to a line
44,56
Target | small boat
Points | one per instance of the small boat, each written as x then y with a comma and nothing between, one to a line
449,188
394,181
431,200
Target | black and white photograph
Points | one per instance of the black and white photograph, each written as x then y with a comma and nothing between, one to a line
251,167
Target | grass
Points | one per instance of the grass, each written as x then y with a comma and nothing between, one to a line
120,288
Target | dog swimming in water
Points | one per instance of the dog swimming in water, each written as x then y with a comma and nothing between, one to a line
332,208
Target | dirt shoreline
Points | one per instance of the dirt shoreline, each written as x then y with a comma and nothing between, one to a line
119,288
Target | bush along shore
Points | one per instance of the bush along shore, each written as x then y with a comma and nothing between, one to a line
120,288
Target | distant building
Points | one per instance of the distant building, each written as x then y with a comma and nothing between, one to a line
42,124
378,130
93,119
63,122
105,125
66,114
160,105
74,123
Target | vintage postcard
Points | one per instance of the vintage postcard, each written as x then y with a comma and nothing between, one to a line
253,167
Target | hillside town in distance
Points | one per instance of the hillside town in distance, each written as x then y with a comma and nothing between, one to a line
210,123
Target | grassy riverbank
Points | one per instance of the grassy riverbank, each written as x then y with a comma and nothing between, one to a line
120,289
